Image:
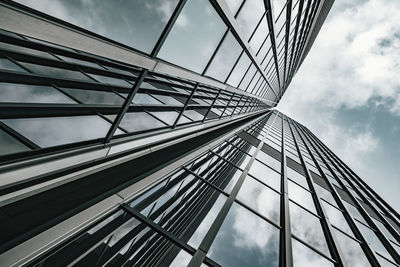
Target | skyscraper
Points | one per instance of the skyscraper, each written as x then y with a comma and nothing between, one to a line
142,133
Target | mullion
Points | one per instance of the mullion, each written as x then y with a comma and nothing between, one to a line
189,98
365,246
125,106
330,238
394,233
380,235
213,231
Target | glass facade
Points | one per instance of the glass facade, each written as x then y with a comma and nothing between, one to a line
46,99
272,35
173,104
221,208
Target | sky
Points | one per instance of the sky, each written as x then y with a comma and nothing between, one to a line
347,91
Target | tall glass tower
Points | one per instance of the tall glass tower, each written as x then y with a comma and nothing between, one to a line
142,133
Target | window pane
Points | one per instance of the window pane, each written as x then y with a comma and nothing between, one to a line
110,80
266,175
249,16
234,5
269,161
53,131
169,100
6,64
225,58
351,250
205,225
94,97
249,76
9,144
194,36
239,70
145,99
301,196
336,218
245,239
371,238
307,227
193,115
304,256
24,93
56,72
139,121
168,117
260,198
297,177
325,194
260,35
22,49
127,22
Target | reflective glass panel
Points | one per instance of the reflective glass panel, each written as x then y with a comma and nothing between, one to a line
169,117
371,238
169,100
140,121
234,5
259,35
94,97
307,227
269,161
110,80
56,72
249,16
245,239
9,144
225,58
301,196
206,223
24,93
193,115
266,175
145,99
351,250
325,194
248,77
239,70
297,177
53,131
195,35
6,64
22,49
306,257
134,23
336,218
260,198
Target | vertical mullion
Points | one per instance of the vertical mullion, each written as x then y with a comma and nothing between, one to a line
126,105
212,104
215,51
236,105
381,237
185,105
370,254
229,101
336,254
168,28
286,257
271,26
216,225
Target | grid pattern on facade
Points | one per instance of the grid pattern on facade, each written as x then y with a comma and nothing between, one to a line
270,195
254,45
53,97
